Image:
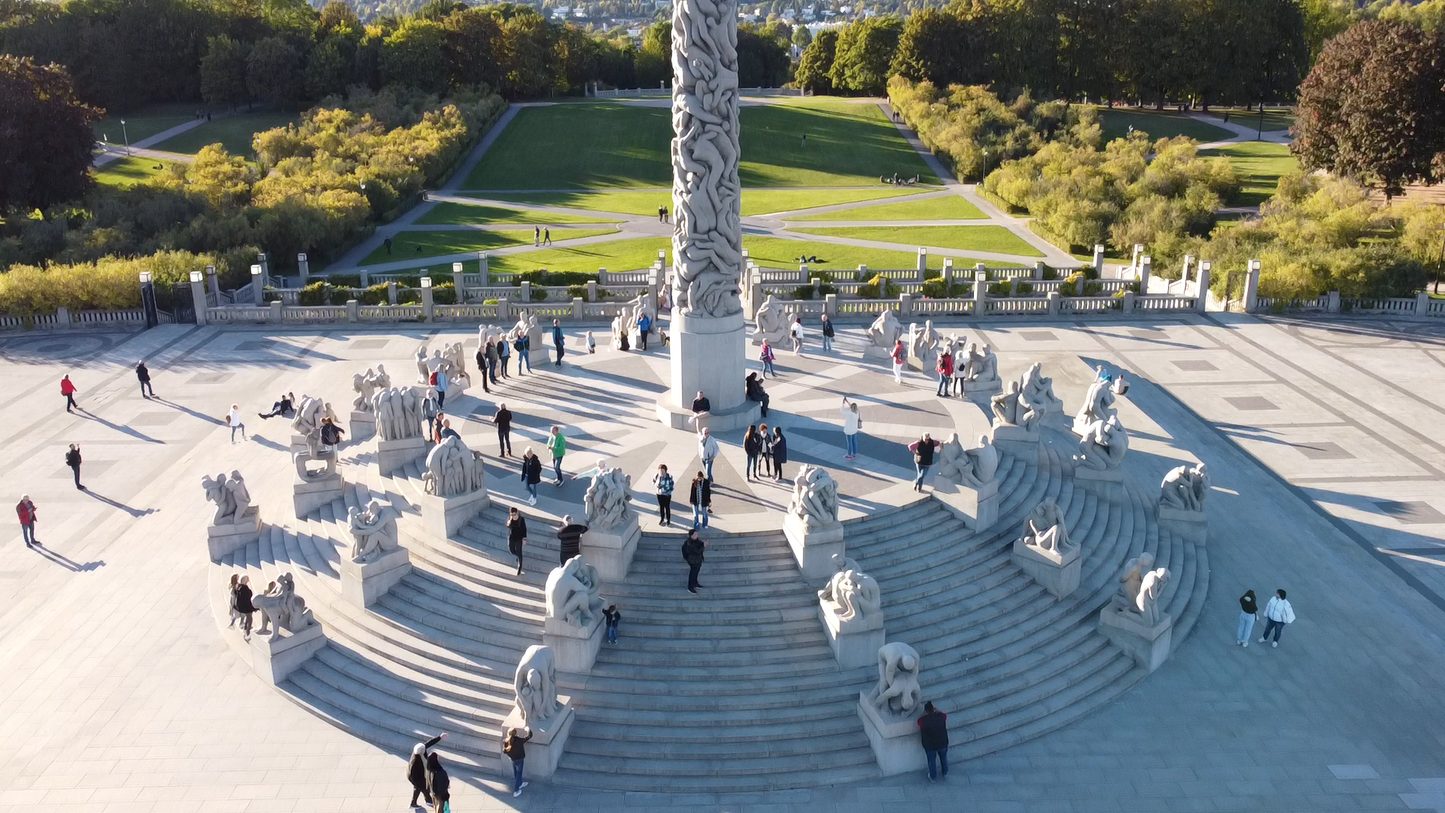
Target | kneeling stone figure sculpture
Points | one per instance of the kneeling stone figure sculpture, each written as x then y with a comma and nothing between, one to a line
572,593
853,593
281,606
815,497
1185,488
231,497
1103,445
898,691
535,684
1044,529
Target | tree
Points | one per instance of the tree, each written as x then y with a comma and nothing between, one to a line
337,14
527,44
933,46
414,55
1373,107
273,72
45,136
331,63
865,51
474,47
1323,20
802,37
223,72
762,58
815,66
654,59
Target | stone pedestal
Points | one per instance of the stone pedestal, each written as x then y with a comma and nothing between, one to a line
708,354
896,743
718,420
362,425
574,647
1191,524
980,390
395,454
854,644
1147,645
1016,440
926,363
224,539
873,352
363,584
977,507
277,655
310,493
1057,573
444,516
548,740
298,442
1107,483
814,548
611,551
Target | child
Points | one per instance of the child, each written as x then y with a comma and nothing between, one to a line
591,343
612,616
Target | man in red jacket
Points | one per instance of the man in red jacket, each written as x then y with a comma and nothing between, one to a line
68,390
26,510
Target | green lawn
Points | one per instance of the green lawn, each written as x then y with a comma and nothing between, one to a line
952,207
130,171
142,123
1259,165
755,201
1165,124
995,239
423,244
232,132
461,214
1281,119
601,145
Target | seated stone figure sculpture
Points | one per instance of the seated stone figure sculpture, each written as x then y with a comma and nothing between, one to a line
373,531
1044,529
853,593
884,331
535,685
770,322
898,691
1010,409
981,366
572,593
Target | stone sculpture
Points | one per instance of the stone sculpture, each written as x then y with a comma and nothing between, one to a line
923,343
308,416
301,459
366,384
1103,446
1044,529
527,325
952,462
853,593
1151,591
1011,409
975,467
885,330
422,371
898,691
282,607
536,686
452,469
572,593
815,498
373,531
457,356
608,500
619,331
231,497
770,322
398,413
981,365
1184,488
1098,405
1127,598
1037,390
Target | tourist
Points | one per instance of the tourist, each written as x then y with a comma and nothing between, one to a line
944,366
536,236
827,334
558,340
900,357
1277,613
445,430
612,616
143,374
503,421
531,474
524,352
441,385
922,449
25,509
663,481
492,358
644,328
557,445
753,387
241,603
693,548
230,598
438,783
72,459
753,448
591,344
707,449
517,529
701,406
661,213
430,409
779,450
852,422
569,536
933,726
67,388
515,747
766,438
623,343
233,420
699,494
766,357
504,355
796,331
330,434
1248,614
547,236
282,407
416,769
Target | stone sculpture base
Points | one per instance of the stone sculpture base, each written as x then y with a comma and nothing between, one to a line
718,420
895,740
1104,482
1016,440
853,644
298,442
707,354
777,340
310,494
611,551
224,539
575,647
395,454
362,425
814,548
1191,524
874,352
926,364
1057,573
277,655
548,740
363,584
980,390
977,507
444,516
1147,645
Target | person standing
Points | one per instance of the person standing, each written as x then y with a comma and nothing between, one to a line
504,356
644,328
707,449
492,358
827,334
67,388
503,421
693,548
699,494
900,357
558,340
557,445
233,420
536,236
441,384
765,437
1277,613
231,599
515,747
143,375
766,357
516,534
613,617
25,509
753,448
482,369
431,409
591,344
944,367
438,783
933,726
416,769
796,331
569,536
779,449
531,474
524,353
663,481
241,604
922,457
852,422
72,459
1248,614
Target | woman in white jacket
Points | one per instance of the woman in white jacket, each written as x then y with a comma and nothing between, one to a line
1277,613
852,422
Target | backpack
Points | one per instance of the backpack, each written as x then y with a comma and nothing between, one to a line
433,379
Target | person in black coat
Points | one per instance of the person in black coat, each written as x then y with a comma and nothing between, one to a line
700,495
143,375
933,727
570,537
416,769
438,783
517,534
514,745
72,459
692,553
241,603
531,474
755,391
779,448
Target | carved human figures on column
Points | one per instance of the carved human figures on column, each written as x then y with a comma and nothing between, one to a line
853,593
535,684
1044,529
398,413
608,500
1103,446
452,469
898,691
373,531
1185,488
572,593
815,497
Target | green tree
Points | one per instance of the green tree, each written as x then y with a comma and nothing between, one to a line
45,136
527,43
654,58
273,72
802,37
414,55
223,72
762,58
473,48
865,52
1323,20
815,66
337,14
330,65
934,46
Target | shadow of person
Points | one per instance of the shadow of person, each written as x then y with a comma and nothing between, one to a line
66,562
134,512
194,414
125,430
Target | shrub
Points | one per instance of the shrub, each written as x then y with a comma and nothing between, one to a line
1025,288
934,289
1000,288
108,283
408,296
579,291
539,294
317,293
803,292
1071,284
444,294
879,287
344,280
541,276
376,295
1092,288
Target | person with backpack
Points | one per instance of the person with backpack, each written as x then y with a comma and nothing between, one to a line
143,375
515,747
330,433
766,356
524,349
663,481
67,388
699,494
922,449
944,367
693,548
827,334
516,535
416,769
852,422
1277,613
900,358
72,459
531,474
933,727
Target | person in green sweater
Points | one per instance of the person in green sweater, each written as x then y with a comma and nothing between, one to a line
557,444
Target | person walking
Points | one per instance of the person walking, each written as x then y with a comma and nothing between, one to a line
231,598
753,389
852,422
944,367
536,236
1248,614
531,474
933,727
438,783
663,481
25,509
416,769
827,334
693,548
922,449
492,359
72,459
547,236
516,535
612,616
234,421
143,375
558,340
67,388
707,449
765,436
504,356
753,448
430,409
766,357
796,331
515,747
699,494
644,329
591,344
241,604
900,357
779,449
569,536
503,421
441,384
1277,613
557,445
524,353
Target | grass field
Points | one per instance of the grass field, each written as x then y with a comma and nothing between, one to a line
1259,165
994,239
755,201
1164,124
461,214
142,123
423,244
124,172
601,146
952,207
1281,119
232,132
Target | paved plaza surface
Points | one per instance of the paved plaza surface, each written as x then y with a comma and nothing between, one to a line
118,691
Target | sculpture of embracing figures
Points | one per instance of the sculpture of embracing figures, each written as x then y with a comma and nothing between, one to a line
373,531
1011,409
923,344
608,499
898,690
1127,597
453,470
281,606
853,593
885,330
231,497
1037,390
535,684
1184,488
815,497
572,593
1098,404
1044,529
974,468
398,413
770,322
366,384
1103,446
981,365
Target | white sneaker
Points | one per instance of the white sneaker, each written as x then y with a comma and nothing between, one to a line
1261,640
524,784
1244,644
531,500
1274,645
516,793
